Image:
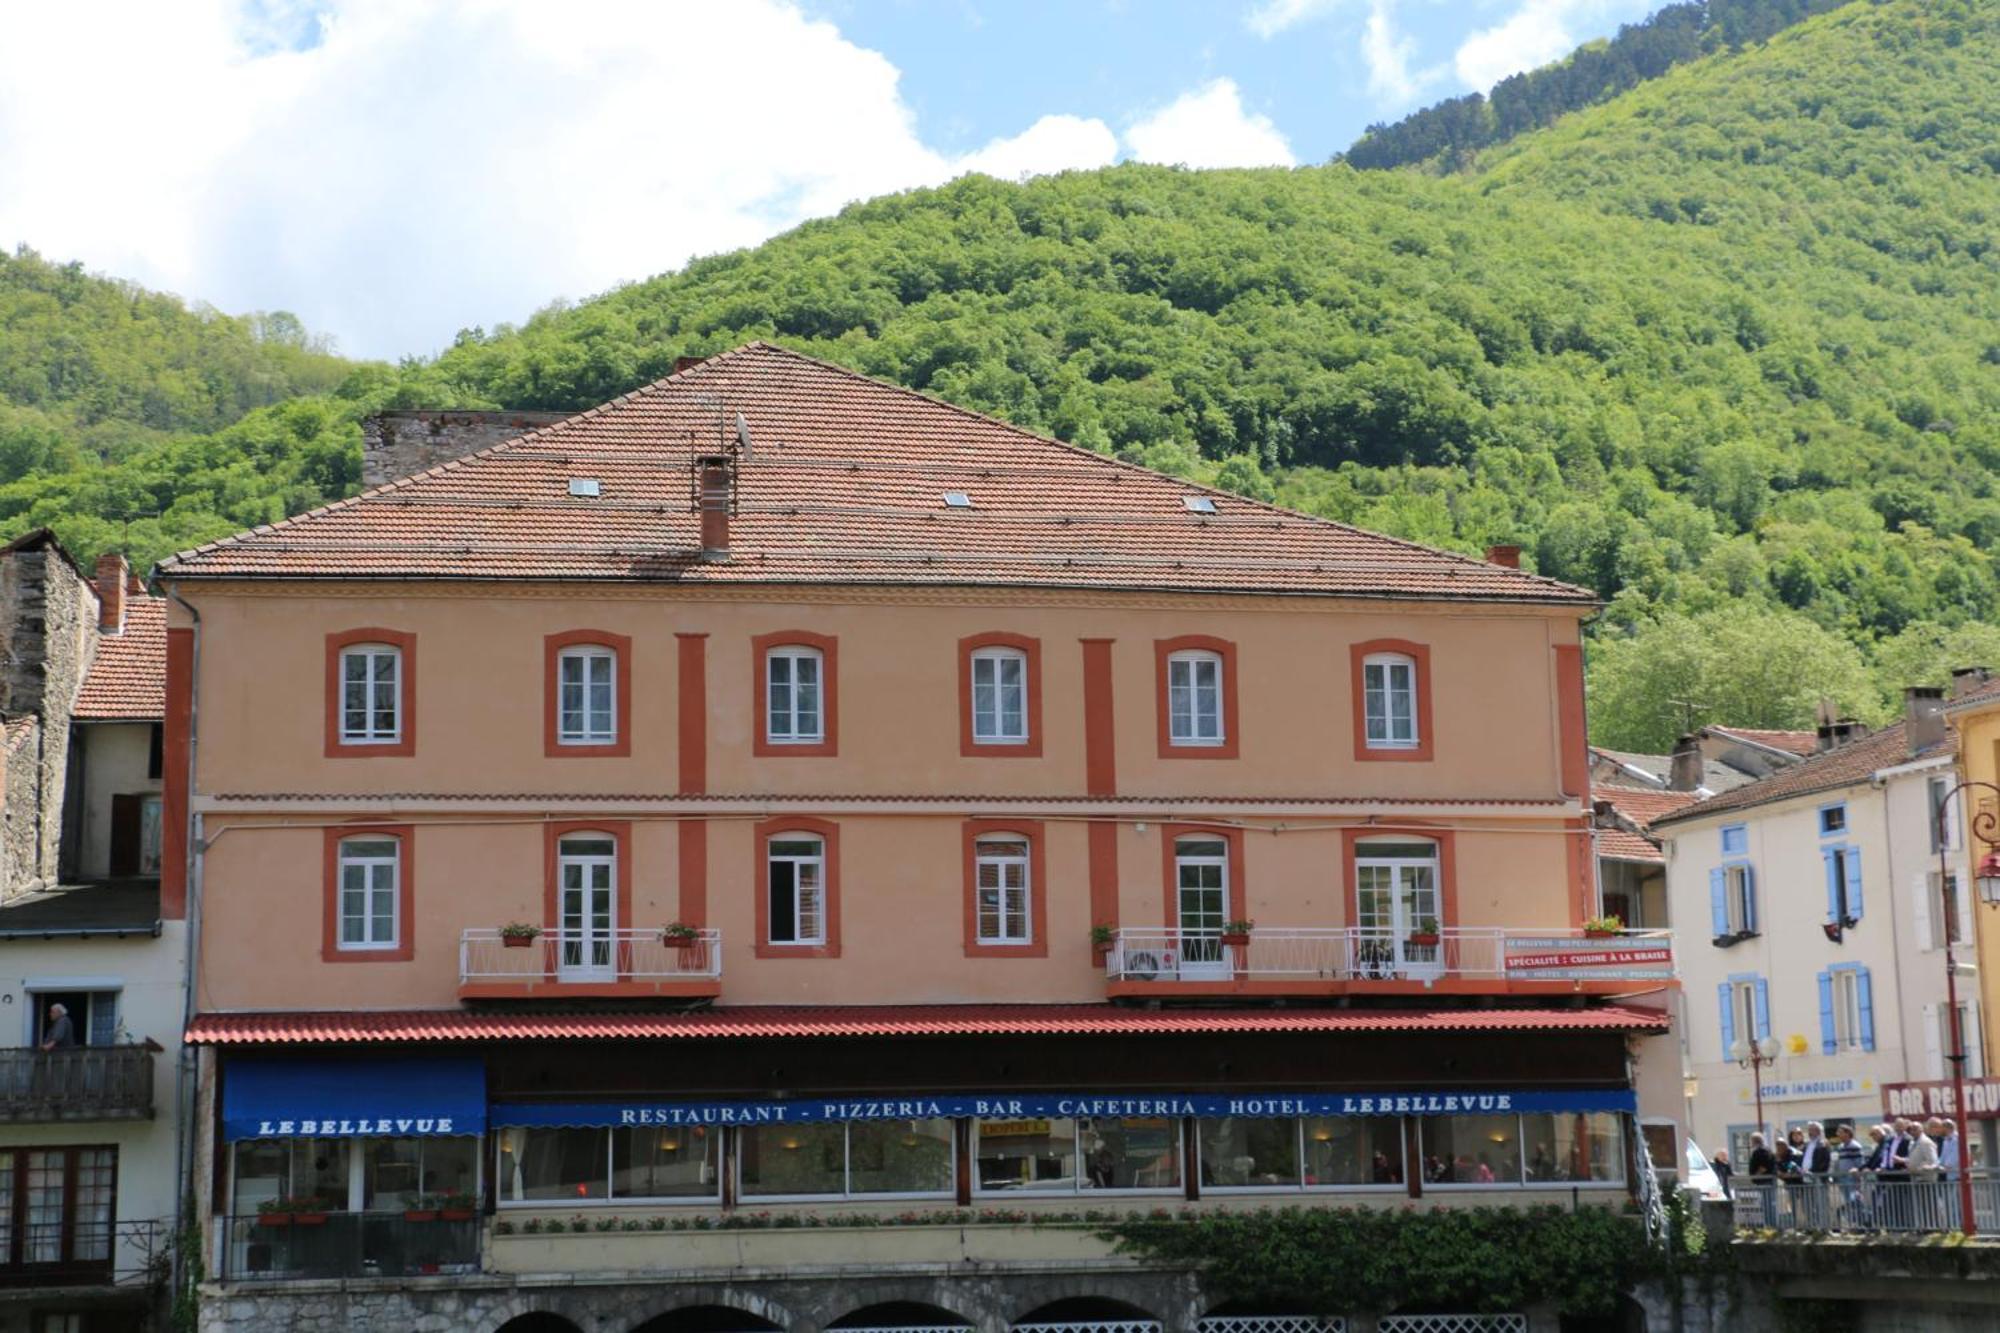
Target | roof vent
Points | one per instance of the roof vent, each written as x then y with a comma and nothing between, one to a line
586,487
957,500
1200,504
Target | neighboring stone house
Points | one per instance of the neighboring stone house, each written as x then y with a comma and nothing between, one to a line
400,444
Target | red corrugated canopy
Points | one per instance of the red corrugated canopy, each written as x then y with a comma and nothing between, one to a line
430,1025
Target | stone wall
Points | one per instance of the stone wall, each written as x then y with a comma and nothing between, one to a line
397,444
48,636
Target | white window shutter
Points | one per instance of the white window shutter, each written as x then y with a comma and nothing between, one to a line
1975,1060
1933,1045
1922,893
1963,908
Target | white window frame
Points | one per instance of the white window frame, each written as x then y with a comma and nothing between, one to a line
1378,672
1846,1009
371,868
800,896
1739,895
781,726
988,724
372,681
1185,716
1743,1008
589,655
986,853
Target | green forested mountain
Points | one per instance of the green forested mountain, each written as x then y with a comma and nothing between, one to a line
1725,348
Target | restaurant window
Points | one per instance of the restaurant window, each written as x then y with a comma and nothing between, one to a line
796,867
1026,1155
865,1158
369,869
1352,1151
1248,1152
665,1162
794,712
267,1169
569,1164
397,1172
1194,698
999,696
1472,1150
899,1157
587,693
1389,701
1003,889
1063,1156
371,694
1573,1148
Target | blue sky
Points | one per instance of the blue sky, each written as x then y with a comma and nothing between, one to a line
393,171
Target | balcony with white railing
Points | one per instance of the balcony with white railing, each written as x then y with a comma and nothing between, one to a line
1337,960
584,963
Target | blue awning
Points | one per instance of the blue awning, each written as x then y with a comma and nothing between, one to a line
282,1099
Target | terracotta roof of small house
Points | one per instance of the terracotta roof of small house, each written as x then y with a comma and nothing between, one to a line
1635,809
1843,766
1791,742
844,484
127,681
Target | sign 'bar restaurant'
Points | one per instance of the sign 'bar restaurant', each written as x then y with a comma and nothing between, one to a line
775,787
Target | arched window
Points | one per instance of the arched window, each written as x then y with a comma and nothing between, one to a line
1389,702
370,909
371,700
999,696
587,695
1003,884
794,695
1194,698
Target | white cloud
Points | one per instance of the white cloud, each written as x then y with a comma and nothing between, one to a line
1387,55
1209,128
422,167
1272,17
1533,35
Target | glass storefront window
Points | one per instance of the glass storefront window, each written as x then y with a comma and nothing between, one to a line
665,1163
1136,1153
1243,1152
792,1159
552,1163
1472,1149
1025,1154
1574,1147
288,1168
396,1173
899,1157
1353,1150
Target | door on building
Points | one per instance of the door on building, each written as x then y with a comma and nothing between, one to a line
1396,898
587,948
1201,873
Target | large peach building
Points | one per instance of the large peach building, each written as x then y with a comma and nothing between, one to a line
775,786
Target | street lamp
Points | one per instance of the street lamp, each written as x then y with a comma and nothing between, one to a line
1986,877
1753,1056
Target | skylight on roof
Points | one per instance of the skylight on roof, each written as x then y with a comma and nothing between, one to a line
957,500
585,486
1200,504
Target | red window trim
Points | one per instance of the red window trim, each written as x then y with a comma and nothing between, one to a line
1032,648
620,833
1419,653
1170,879
760,732
1038,897
406,744
620,746
406,895
1163,652
1350,840
829,834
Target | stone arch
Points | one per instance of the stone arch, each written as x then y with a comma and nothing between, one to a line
901,1314
538,1321
1086,1310
737,1316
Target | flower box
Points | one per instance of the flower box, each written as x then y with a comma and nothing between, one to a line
516,941
1598,933
1422,941
274,1219
1240,938
454,1214
420,1214
309,1219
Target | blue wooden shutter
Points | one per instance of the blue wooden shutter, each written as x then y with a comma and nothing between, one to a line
1829,1039
1763,1009
1864,988
1718,900
1853,860
1833,885
1725,997
1750,899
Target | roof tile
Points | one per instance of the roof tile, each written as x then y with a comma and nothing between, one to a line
127,680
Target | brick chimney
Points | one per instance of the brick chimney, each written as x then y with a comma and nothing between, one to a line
1685,770
1833,735
1508,557
1964,680
1923,717
111,580
717,500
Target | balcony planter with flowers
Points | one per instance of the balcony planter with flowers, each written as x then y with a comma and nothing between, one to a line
518,934
305,1210
456,1207
687,941
1101,940
1603,928
1237,932
422,1208
1425,936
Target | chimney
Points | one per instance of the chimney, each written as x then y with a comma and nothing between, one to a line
1508,557
1964,680
111,578
1684,773
1833,735
686,362
1923,717
717,499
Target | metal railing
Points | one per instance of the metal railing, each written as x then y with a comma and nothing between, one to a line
643,954
1862,1203
1337,953
258,1248
132,1253
78,1083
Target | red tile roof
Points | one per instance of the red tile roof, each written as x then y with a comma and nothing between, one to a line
1642,805
1791,742
844,486
272,1029
128,680
1844,766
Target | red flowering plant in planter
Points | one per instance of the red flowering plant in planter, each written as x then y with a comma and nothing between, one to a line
687,940
456,1207
306,1210
421,1208
518,934
1425,936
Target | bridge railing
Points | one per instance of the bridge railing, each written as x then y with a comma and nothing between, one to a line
1862,1203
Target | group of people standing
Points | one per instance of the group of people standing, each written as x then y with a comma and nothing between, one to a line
1819,1173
